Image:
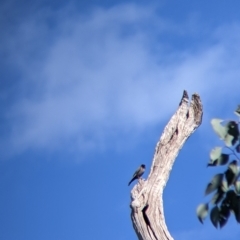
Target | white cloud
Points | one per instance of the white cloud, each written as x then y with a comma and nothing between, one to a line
106,73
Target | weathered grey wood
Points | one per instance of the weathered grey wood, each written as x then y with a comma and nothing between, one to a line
146,197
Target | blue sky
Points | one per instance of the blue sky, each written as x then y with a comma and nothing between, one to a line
86,89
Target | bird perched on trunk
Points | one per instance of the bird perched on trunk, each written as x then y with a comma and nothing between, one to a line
138,173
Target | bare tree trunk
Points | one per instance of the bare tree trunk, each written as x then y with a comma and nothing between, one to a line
146,197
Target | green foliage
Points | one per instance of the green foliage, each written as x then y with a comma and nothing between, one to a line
237,111
217,157
224,186
228,133
202,212
214,184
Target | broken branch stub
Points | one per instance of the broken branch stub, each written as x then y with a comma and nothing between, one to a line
146,197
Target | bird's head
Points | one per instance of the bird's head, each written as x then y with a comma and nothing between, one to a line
143,166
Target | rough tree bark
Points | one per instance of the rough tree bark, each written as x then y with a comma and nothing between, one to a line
146,197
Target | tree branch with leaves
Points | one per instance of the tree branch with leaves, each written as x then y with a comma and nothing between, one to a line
226,185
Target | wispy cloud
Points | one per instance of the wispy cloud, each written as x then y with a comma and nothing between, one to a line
85,78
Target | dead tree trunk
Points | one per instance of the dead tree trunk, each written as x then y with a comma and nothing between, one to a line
146,197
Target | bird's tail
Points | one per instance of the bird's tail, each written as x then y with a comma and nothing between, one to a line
132,180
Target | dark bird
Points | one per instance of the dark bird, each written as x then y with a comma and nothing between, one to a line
138,173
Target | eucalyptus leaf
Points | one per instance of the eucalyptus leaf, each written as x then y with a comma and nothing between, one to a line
234,201
214,184
230,197
230,200
202,211
230,203
214,216
224,186
232,173
221,160
237,187
232,133
223,215
219,128
215,153
228,140
218,196
234,166
236,208
225,208
237,111
214,156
